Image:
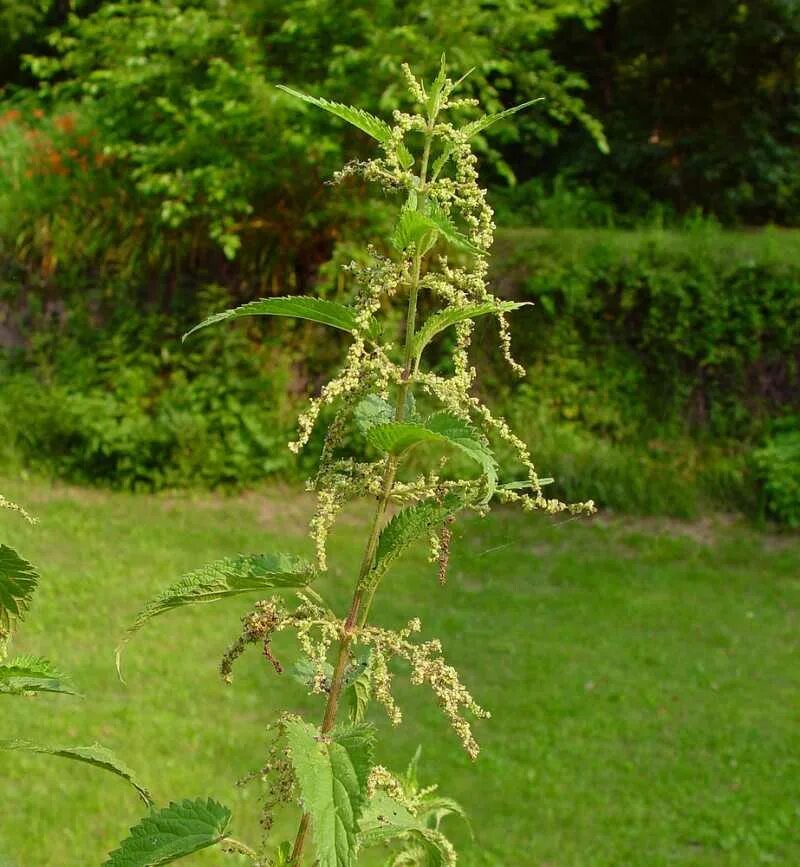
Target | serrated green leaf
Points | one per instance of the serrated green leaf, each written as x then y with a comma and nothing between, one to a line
414,229
482,123
451,315
172,833
317,310
96,755
30,674
18,581
441,427
229,577
443,224
432,104
439,162
404,156
385,820
363,120
422,228
332,774
373,410
406,526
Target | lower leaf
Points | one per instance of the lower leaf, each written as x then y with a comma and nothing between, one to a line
172,833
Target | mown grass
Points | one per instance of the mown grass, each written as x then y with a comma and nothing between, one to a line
642,676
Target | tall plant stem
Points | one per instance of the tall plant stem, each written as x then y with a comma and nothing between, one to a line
362,597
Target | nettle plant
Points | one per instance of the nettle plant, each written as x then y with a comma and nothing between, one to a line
386,395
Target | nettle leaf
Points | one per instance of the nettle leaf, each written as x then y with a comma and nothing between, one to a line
385,820
404,156
373,410
432,103
414,229
410,524
442,222
363,120
439,162
451,315
172,833
229,577
30,674
332,775
482,123
421,228
96,755
313,309
441,427
18,581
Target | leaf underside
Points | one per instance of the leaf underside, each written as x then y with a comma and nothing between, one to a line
317,310
228,577
385,820
96,755
29,674
332,775
452,315
482,123
172,833
357,117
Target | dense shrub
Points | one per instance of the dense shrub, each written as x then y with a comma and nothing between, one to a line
777,465
660,332
657,361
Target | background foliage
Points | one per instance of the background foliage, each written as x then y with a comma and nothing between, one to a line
149,176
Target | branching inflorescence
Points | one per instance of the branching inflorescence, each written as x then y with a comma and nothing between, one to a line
389,397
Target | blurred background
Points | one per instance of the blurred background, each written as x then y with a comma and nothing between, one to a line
151,173
641,668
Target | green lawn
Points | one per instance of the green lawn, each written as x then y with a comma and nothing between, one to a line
643,677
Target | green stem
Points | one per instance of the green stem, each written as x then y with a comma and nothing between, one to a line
362,596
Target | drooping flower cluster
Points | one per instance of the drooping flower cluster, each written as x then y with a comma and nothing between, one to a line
428,666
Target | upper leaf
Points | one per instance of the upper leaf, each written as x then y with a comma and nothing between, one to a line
482,123
18,581
172,833
314,309
29,674
363,120
451,315
422,228
332,775
441,427
373,410
224,578
96,755
442,222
